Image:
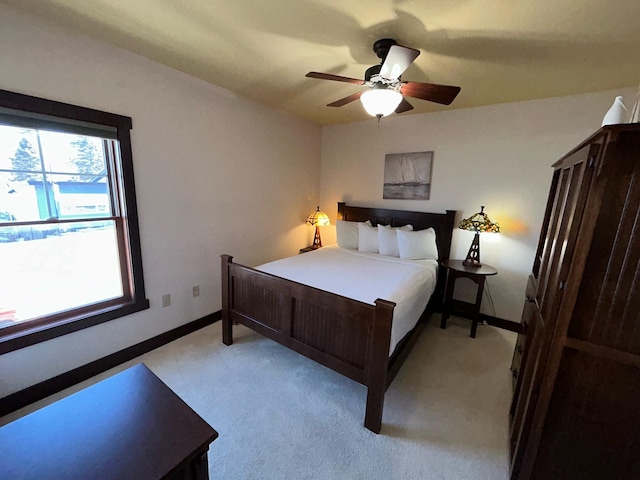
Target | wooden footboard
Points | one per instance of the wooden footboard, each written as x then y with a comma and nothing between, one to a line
346,335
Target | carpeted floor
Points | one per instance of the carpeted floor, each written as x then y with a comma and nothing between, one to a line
282,416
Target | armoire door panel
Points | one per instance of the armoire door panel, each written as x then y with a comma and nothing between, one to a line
552,232
544,231
579,176
566,191
607,306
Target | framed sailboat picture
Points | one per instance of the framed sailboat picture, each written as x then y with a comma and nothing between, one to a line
407,176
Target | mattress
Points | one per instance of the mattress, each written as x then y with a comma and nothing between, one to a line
365,277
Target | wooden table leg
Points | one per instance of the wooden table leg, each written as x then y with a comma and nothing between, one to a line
476,314
448,297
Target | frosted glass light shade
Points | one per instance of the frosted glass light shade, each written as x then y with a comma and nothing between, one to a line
380,102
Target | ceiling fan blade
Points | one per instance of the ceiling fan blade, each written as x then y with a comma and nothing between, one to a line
444,94
336,78
345,100
397,61
404,106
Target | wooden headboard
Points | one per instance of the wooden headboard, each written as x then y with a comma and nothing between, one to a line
442,223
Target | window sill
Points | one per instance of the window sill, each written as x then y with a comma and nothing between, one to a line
41,333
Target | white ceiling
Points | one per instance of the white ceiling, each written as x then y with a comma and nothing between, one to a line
496,50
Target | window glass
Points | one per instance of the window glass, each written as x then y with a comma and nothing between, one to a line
49,268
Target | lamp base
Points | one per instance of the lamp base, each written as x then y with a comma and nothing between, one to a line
317,243
471,263
473,256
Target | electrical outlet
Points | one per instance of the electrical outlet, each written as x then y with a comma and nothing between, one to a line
196,291
166,300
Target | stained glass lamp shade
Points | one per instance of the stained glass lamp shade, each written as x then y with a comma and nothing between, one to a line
478,223
318,219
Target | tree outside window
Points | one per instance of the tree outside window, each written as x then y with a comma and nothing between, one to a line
23,160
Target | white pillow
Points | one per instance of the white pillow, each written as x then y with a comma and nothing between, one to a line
417,245
388,240
367,238
347,234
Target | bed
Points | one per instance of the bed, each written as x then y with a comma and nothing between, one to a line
352,337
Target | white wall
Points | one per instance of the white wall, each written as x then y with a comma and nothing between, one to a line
215,173
498,156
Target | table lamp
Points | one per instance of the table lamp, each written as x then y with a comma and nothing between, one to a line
318,219
478,222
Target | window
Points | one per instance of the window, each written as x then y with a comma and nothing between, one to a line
69,243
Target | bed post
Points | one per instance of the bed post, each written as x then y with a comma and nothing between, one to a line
227,334
447,232
377,364
444,250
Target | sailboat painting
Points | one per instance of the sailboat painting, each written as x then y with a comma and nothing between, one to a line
407,176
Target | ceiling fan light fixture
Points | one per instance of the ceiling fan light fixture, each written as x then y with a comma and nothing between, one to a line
388,93
380,102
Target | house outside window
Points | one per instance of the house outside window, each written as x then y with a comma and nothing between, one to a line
69,241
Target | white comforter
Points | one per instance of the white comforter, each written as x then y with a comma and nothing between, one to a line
365,277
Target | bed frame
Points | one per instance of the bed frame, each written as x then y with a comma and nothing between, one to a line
346,335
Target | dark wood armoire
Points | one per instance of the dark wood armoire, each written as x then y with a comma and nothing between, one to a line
575,413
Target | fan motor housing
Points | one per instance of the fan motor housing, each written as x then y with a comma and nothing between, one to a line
371,71
381,47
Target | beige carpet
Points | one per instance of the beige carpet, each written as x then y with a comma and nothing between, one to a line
282,416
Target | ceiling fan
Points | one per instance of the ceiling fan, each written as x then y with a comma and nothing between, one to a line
386,90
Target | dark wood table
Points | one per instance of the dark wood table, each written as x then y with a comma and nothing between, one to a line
129,426
456,269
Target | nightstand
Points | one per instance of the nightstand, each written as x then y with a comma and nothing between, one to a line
455,270
307,249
